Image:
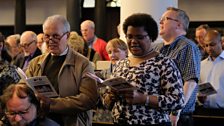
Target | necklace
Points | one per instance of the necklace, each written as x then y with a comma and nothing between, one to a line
150,51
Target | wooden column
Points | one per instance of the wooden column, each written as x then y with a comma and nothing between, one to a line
74,14
100,18
20,16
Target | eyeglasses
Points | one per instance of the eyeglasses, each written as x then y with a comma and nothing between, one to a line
168,18
26,45
136,37
54,37
20,113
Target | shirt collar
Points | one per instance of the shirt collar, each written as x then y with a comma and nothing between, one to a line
174,43
221,56
63,53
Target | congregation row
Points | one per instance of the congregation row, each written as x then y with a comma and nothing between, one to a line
165,75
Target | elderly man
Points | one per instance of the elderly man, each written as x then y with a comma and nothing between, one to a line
88,34
66,70
28,44
173,27
12,45
212,70
22,108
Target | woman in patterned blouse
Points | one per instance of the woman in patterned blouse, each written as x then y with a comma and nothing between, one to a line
157,79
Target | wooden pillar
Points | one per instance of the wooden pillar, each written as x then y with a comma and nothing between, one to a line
20,16
74,14
100,18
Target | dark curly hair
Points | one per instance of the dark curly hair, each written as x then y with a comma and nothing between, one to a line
142,20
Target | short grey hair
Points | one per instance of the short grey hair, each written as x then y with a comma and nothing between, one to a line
59,19
182,16
16,37
90,23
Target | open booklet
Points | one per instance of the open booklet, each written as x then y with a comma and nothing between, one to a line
116,84
39,84
206,89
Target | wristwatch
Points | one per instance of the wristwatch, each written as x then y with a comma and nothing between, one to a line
175,113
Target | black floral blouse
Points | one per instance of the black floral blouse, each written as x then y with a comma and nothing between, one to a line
157,76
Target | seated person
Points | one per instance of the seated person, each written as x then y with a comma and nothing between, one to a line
22,108
212,70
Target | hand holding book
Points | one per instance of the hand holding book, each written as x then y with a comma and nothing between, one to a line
117,84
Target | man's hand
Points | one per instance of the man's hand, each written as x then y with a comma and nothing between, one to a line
44,104
202,98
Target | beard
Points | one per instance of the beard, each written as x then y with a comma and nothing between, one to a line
21,123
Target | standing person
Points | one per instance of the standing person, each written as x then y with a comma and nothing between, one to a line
78,44
4,56
40,41
28,42
212,70
66,70
117,50
173,27
12,46
92,41
8,72
22,108
199,37
157,79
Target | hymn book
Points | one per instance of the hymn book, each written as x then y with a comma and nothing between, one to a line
206,89
39,84
116,84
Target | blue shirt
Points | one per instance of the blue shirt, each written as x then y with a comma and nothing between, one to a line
213,72
187,56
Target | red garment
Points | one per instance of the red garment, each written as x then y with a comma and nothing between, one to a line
100,47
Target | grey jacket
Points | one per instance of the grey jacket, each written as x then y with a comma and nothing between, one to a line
78,93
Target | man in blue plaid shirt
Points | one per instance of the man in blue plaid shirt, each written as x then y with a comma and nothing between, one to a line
173,28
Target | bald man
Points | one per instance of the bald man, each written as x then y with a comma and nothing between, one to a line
28,42
212,70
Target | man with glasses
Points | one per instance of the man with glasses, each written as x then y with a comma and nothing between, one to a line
66,70
28,44
173,28
22,108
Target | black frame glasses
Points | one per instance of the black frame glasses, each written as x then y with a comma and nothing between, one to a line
20,113
136,37
168,18
26,45
54,37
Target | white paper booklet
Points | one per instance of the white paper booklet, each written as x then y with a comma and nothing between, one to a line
39,84
206,89
117,84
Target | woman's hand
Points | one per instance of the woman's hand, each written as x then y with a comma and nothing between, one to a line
133,97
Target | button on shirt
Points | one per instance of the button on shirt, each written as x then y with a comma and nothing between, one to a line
213,72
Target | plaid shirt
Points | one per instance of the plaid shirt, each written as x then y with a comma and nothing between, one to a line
187,56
